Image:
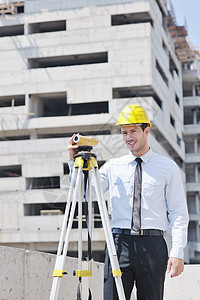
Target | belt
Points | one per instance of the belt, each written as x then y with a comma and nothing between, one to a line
151,232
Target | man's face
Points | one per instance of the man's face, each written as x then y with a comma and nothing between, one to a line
136,139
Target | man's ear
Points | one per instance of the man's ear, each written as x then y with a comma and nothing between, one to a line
147,130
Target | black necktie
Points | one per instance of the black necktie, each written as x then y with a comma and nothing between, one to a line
137,195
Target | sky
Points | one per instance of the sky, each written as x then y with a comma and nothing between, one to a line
189,11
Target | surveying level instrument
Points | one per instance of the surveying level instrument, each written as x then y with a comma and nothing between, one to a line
84,163
85,141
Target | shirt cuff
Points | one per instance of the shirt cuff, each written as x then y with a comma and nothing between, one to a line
176,252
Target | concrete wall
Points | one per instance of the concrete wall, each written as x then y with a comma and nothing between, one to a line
27,275
186,286
40,5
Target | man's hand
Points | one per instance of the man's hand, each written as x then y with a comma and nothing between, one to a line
176,265
72,148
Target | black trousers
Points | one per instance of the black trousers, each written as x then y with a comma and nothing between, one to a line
143,261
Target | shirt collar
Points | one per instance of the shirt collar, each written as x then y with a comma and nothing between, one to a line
146,157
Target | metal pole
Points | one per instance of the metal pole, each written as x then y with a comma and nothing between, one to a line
108,234
60,259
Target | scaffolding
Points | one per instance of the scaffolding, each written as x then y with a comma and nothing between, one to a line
11,7
183,47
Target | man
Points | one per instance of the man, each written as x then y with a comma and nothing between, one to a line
146,194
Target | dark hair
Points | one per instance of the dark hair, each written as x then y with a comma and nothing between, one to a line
144,125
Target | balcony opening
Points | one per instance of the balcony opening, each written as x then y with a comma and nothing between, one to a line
192,231
88,108
172,66
49,104
136,92
101,163
189,144
187,93
178,140
11,171
161,72
165,48
172,121
96,215
43,183
98,256
198,173
131,18
198,144
55,104
12,30
20,8
177,100
198,116
66,170
190,173
68,60
188,115
197,90
187,66
44,209
50,209
191,200
14,138
187,90
69,134
13,100
191,115
50,26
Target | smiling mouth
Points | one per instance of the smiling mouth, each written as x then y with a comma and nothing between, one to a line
131,143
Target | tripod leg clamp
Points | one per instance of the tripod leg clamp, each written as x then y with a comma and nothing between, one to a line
91,162
58,273
78,162
117,272
83,273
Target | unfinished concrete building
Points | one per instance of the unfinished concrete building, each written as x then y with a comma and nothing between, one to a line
190,60
71,66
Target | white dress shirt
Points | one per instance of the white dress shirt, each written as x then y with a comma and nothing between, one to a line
163,199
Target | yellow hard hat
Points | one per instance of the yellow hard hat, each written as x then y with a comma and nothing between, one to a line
133,114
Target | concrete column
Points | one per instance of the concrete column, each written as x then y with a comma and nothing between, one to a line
194,116
33,135
198,171
197,211
193,90
195,145
198,233
26,28
196,230
196,175
198,144
197,203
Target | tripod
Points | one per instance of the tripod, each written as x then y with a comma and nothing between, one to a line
84,161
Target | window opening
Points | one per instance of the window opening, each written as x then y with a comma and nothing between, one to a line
11,171
132,18
68,60
50,26
161,72
43,183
